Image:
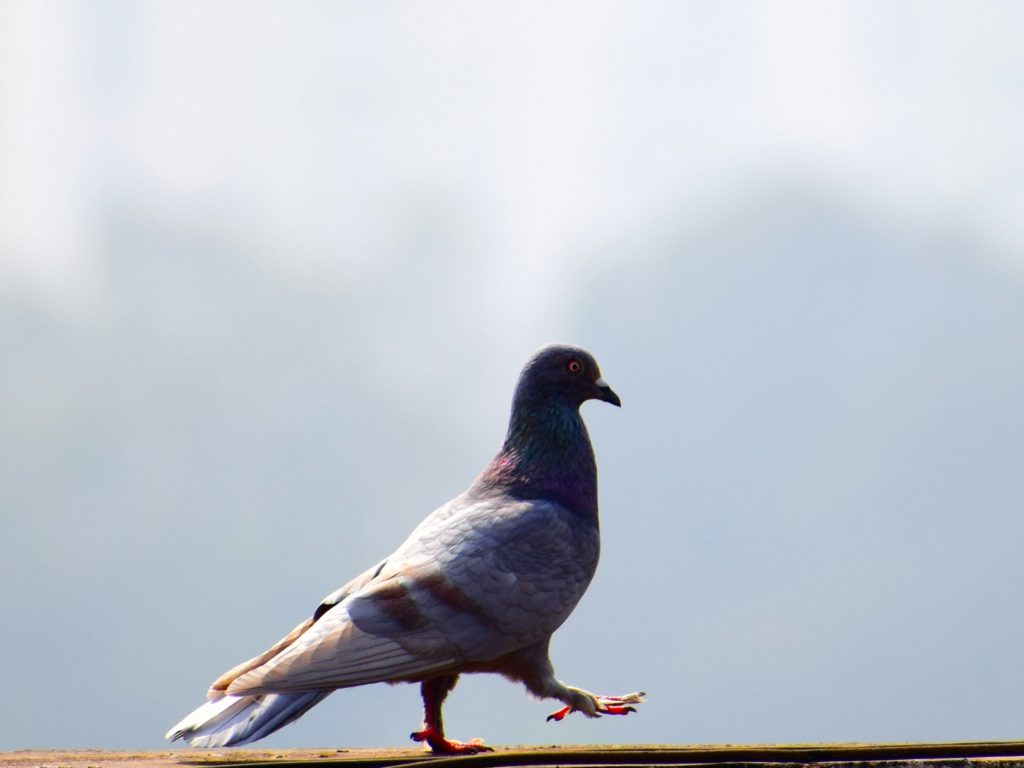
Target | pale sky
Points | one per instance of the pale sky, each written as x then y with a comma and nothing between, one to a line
304,130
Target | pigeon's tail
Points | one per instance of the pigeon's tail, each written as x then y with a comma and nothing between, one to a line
231,721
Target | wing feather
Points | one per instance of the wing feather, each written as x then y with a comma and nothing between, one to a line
335,653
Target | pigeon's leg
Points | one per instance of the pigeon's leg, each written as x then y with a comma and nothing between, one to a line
532,667
537,674
434,692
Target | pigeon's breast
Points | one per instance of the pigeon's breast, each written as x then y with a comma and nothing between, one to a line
525,565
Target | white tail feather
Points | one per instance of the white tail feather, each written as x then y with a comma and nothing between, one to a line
234,720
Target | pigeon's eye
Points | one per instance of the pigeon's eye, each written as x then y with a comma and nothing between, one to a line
574,366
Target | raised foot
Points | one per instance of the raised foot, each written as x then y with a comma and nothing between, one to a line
605,705
439,745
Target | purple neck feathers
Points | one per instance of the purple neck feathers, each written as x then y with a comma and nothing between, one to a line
546,455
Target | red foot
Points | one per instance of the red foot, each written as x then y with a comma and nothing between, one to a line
439,745
617,710
557,716
604,707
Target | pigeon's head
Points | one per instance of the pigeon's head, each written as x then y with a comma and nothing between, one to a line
565,373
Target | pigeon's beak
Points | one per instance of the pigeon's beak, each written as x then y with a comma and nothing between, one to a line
604,392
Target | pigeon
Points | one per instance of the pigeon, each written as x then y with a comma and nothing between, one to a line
479,586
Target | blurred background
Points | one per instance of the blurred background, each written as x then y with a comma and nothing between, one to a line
268,272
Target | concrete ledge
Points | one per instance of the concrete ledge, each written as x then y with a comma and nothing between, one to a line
1000,754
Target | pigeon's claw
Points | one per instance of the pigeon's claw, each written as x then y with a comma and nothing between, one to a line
439,745
559,715
603,705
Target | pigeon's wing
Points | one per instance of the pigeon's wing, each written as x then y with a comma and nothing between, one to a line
492,578
336,653
220,685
